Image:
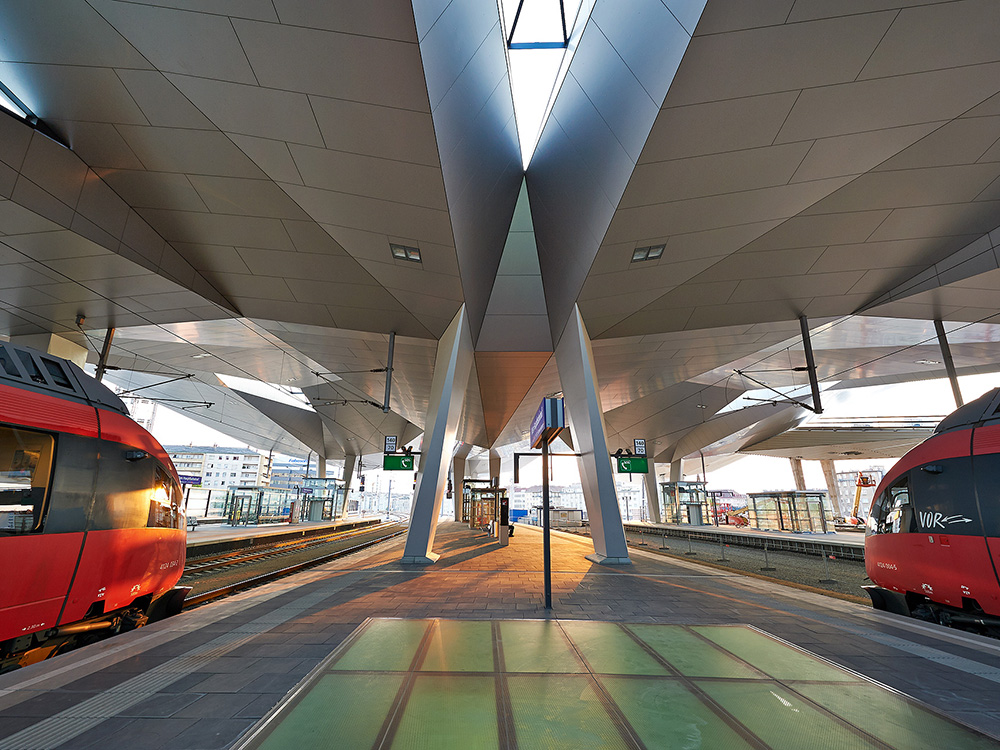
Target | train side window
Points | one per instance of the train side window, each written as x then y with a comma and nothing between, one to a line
56,372
8,364
30,367
25,468
892,511
944,498
165,511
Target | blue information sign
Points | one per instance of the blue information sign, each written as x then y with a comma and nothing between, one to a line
549,421
187,479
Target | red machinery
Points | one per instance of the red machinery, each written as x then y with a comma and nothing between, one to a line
932,541
92,532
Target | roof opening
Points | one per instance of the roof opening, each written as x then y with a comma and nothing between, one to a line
541,36
12,104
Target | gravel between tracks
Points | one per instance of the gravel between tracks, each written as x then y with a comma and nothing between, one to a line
217,578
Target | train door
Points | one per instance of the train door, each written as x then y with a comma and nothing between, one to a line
986,468
35,567
951,552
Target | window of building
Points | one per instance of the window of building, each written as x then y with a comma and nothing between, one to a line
25,467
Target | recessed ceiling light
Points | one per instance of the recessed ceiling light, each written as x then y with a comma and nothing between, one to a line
649,252
405,252
200,356
926,362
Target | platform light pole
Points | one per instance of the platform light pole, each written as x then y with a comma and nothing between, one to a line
546,425
546,541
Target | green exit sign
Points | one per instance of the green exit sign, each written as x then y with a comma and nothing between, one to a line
633,465
400,462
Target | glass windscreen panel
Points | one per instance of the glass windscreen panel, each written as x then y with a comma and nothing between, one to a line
166,510
25,469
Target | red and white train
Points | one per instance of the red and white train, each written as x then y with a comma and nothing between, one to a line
932,542
92,528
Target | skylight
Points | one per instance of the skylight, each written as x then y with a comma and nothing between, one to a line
541,36
10,103
281,393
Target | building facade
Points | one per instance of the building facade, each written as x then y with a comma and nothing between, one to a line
221,467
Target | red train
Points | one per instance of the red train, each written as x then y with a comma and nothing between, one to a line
92,528
932,542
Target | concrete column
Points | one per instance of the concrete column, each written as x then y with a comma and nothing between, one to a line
494,466
575,360
349,463
830,472
676,475
458,467
652,494
54,345
798,474
452,368
321,467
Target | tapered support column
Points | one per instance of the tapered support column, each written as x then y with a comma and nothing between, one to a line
676,475
652,494
452,367
797,474
830,472
321,467
349,463
575,361
494,466
458,468
949,363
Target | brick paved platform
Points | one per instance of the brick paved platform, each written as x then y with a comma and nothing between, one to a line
202,679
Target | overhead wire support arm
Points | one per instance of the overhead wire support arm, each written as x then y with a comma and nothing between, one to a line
817,405
154,385
388,372
785,398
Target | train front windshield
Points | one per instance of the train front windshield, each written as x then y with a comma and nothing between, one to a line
25,466
166,510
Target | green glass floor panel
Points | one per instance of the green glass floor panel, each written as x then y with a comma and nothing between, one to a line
449,711
560,711
346,710
690,655
537,646
610,650
459,646
893,719
459,697
664,714
384,646
772,657
782,719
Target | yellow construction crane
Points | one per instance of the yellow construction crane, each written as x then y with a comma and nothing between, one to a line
864,480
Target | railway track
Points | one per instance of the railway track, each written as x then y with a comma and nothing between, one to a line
215,576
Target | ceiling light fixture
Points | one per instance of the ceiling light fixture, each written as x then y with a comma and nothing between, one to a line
405,252
649,252
926,362
200,356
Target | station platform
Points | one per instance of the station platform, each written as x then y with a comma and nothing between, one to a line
220,675
219,534
845,544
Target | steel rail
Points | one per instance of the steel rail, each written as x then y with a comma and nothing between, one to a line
265,577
